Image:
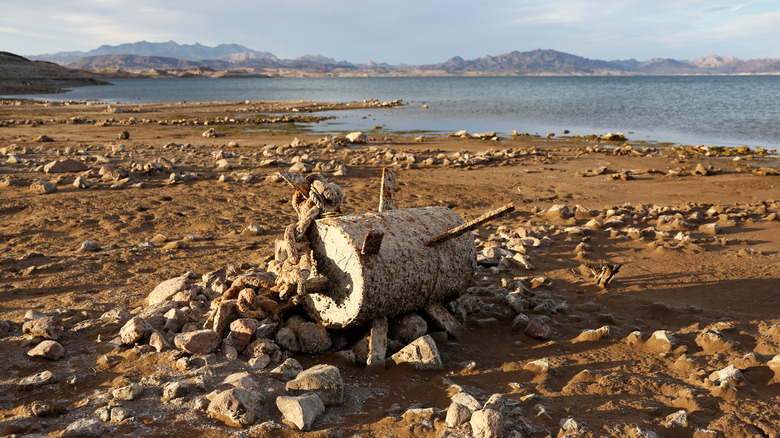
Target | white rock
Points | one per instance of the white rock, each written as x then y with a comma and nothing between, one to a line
301,411
422,353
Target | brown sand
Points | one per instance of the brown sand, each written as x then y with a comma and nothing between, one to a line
731,280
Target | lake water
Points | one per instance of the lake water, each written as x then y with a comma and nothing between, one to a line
721,110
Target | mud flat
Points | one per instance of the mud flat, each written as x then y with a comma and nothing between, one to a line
100,205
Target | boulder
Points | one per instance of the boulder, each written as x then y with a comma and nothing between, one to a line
323,380
457,414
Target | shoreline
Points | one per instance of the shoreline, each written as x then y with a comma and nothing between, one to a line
697,234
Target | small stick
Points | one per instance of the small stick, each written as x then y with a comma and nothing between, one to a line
387,192
471,225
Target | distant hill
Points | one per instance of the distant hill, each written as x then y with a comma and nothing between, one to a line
19,75
170,49
139,63
173,59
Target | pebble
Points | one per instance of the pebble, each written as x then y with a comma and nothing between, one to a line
89,245
48,349
174,390
286,338
127,393
407,328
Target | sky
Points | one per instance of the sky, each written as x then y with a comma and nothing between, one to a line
404,31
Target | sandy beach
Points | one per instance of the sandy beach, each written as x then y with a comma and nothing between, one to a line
684,341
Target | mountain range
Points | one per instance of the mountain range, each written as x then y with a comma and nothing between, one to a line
173,59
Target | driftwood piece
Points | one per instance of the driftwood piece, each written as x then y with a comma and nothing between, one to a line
377,343
604,274
449,323
403,275
468,226
387,192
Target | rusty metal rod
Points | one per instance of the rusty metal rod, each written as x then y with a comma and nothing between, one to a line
471,225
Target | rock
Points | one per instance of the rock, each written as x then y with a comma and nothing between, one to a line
495,402
85,427
134,330
539,366
301,411
47,349
158,341
287,370
286,339
313,338
5,327
261,346
197,342
66,165
237,407
174,390
222,165
43,187
592,335
226,313
713,342
661,341
357,138
44,139
166,290
38,380
209,133
89,246
569,423
538,329
711,229
774,365
729,374
241,380
48,327
486,423
421,353
127,393
457,414
241,330
407,328
677,419
467,400
322,380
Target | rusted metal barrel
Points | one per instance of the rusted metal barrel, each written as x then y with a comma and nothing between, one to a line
378,265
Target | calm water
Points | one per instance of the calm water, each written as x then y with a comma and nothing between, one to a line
730,110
